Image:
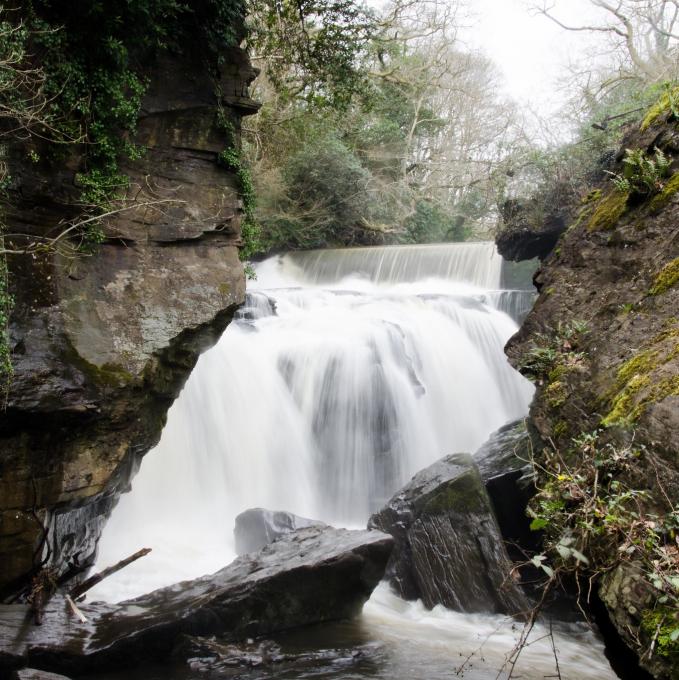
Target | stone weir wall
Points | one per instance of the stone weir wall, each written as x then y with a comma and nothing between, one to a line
102,344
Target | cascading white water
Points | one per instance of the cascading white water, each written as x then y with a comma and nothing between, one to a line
345,373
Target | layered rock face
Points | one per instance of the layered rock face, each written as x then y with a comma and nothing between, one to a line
448,547
602,344
102,344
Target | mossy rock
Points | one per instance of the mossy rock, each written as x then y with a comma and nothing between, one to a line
666,278
665,196
663,106
635,389
464,494
609,210
659,624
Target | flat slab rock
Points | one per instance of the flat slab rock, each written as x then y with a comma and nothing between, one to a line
314,575
449,549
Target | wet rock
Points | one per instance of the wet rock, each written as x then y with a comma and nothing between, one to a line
526,232
505,468
314,575
448,547
258,527
35,674
268,657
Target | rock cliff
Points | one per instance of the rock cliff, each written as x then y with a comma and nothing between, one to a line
602,345
102,344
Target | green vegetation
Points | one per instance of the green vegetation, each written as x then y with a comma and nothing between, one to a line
668,103
594,521
666,278
662,625
642,175
553,356
6,303
665,195
412,127
638,383
608,211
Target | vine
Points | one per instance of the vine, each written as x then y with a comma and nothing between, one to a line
6,305
93,56
231,159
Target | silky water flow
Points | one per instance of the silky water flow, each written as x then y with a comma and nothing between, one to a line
345,372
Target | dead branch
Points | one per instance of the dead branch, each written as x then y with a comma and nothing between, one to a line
92,581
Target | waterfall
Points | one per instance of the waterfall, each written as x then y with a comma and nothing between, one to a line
345,373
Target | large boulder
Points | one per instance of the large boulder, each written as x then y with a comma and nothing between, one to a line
448,548
258,527
314,575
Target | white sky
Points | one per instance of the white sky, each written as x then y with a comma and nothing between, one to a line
531,51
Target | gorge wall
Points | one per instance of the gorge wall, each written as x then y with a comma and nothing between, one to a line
602,346
101,344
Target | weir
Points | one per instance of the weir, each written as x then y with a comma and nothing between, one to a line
345,373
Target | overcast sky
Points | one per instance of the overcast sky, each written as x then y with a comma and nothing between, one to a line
532,52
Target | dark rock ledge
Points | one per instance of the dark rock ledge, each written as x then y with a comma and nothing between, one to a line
448,546
314,575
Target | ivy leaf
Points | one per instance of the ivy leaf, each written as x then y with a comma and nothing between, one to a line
537,560
538,523
548,570
563,551
579,556
674,635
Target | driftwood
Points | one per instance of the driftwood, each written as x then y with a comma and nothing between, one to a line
92,581
75,610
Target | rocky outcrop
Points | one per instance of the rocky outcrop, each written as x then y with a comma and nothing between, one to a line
258,527
602,345
526,233
102,344
504,463
448,548
314,575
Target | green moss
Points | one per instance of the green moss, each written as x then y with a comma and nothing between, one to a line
671,332
624,408
464,495
556,394
608,212
224,288
592,197
107,375
641,363
560,429
660,624
634,390
588,204
666,104
667,277
663,198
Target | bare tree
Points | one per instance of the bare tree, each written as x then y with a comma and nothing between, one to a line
644,35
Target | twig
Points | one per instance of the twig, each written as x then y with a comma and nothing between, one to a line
75,609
